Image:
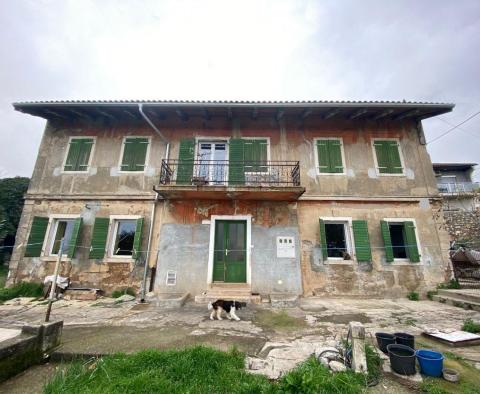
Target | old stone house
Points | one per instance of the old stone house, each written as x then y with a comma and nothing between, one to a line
234,198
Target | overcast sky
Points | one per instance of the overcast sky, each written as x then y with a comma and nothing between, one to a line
250,50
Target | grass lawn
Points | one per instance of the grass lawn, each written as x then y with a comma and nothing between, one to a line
22,289
195,370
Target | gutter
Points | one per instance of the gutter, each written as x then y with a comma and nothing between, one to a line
154,206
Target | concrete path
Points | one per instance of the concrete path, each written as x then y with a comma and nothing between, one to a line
7,333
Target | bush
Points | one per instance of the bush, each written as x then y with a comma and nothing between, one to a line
413,296
431,293
119,293
470,326
453,284
22,289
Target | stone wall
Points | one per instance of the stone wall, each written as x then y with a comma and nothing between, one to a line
463,225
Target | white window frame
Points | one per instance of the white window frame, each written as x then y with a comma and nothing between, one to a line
50,234
213,140
419,246
268,154
400,153
317,161
112,233
350,241
90,159
147,155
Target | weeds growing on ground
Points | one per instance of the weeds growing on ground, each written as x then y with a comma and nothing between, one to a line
201,370
431,293
413,296
22,289
119,293
470,326
453,284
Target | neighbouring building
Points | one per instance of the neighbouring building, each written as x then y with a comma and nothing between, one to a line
460,196
313,198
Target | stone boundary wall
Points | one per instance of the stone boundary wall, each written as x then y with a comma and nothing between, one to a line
29,348
463,225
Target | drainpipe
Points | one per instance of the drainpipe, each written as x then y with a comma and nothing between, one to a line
152,216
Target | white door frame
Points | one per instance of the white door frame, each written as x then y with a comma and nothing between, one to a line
213,219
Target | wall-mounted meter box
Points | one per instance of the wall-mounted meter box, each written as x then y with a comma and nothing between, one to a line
286,247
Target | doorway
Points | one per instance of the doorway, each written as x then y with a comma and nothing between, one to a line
213,164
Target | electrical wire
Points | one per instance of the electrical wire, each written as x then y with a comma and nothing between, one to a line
453,128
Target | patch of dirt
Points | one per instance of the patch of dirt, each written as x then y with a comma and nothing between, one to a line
278,321
344,319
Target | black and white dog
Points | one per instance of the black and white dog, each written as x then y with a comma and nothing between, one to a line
228,306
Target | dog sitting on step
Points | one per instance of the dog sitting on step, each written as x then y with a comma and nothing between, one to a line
229,307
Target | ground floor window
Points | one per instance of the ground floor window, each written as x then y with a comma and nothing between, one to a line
61,228
400,239
399,242
124,237
336,239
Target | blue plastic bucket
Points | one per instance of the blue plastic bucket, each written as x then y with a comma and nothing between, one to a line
431,362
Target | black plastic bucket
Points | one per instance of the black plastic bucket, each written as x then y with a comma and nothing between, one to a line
402,359
383,340
402,338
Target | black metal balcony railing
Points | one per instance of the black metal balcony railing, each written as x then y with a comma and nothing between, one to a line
230,173
458,187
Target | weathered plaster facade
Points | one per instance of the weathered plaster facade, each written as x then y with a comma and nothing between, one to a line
181,228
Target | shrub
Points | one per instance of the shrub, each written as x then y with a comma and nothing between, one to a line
119,293
22,289
470,326
413,296
452,284
431,293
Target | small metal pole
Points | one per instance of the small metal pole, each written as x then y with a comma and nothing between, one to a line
54,283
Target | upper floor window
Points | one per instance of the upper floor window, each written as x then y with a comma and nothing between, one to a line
255,153
388,158
79,154
329,156
134,153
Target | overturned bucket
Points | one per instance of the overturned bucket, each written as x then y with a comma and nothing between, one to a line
383,340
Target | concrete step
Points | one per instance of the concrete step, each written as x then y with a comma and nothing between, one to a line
206,298
461,295
470,305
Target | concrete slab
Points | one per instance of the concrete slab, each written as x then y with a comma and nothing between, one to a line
8,333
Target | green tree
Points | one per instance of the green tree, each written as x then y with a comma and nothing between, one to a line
11,205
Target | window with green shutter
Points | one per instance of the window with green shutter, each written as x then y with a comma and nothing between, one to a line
329,156
400,240
255,155
387,241
411,242
78,155
36,237
387,153
134,154
186,157
362,240
99,238
236,162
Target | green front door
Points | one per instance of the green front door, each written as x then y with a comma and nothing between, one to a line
230,253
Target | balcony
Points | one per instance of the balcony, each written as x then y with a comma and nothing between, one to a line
458,188
229,180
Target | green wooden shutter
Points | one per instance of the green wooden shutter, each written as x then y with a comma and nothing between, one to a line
381,151
186,157
411,241
72,245
236,162
385,229
137,240
395,164
335,156
78,154
99,238
362,240
255,153
323,239
323,158
36,237
134,154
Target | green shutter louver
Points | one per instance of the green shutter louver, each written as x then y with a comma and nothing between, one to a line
99,238
78,154
255,153
362,240
186,157
388,157
137,241
385,229
411,242
72,245
36,237
236,162
329,153
134,154
323,239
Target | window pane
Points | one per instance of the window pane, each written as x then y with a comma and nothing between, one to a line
124,238
64,230
398,241
336,242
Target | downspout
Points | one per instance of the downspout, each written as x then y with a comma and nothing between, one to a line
154,206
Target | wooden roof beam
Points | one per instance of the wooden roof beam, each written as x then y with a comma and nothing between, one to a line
331,113
255,113
229,113
279,115
54,113
106,114
207,115
358,113
182,115
305,113
407,114
383,114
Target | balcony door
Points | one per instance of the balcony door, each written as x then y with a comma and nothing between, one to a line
213,162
